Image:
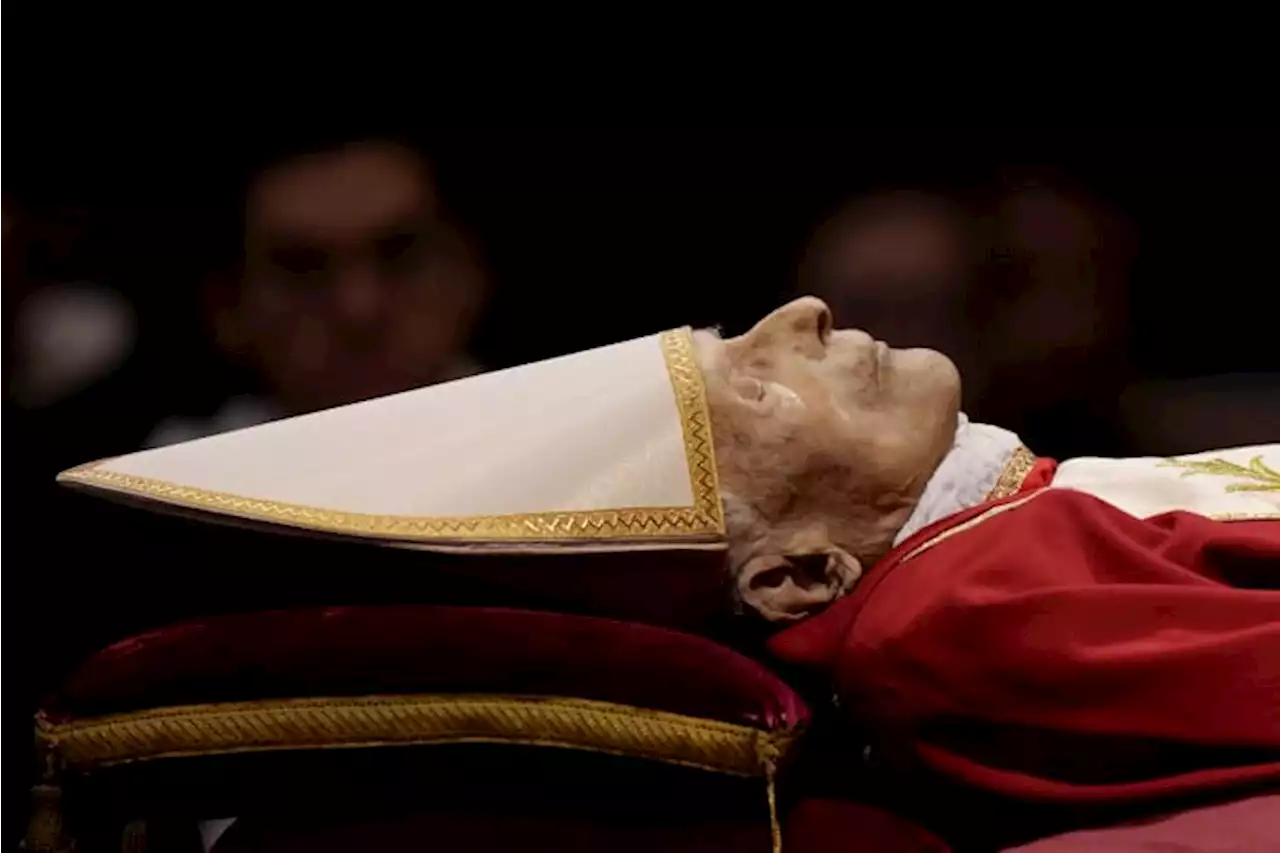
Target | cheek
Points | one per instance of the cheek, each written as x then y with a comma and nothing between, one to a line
420,326
285,331
272,311
740,437
785,402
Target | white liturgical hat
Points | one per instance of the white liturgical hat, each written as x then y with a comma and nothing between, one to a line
608,448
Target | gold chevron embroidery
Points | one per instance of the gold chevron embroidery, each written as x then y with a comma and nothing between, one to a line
1257,476
1014,473
704,519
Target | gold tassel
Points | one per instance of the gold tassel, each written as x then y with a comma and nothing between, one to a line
134,837
45,832
768,753
775,828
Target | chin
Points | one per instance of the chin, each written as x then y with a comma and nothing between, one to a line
923,360
930,375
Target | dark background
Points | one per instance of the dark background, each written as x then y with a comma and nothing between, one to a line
703,226
591,236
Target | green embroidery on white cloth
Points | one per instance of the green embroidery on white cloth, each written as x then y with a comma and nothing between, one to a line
1258,475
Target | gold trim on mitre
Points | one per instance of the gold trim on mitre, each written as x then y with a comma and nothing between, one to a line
703,520
375,721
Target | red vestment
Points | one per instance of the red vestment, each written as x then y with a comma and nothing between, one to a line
1062,651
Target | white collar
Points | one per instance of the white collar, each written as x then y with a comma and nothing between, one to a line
966,476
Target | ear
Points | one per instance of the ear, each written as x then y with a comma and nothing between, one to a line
789,587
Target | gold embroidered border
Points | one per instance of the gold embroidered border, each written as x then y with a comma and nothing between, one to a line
1003,508
372,721
695,422
971,523
1014,473
704,519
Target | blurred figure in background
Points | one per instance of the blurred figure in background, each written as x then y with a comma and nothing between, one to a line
70,339
63,331
1173,416
1053,300
901,266
352,283
1028,284
68,332
342,278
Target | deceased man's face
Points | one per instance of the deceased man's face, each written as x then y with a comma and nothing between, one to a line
825,439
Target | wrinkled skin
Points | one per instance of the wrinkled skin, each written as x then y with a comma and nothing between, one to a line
825,440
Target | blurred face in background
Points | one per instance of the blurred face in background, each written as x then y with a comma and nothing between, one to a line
897,265
1054,295
1026,286
354,286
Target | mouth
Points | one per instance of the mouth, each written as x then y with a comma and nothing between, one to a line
880,353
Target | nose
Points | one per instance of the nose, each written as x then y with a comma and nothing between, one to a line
807,319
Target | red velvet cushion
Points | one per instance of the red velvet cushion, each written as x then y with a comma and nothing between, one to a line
427,649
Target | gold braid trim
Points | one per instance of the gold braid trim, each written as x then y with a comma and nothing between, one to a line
703,520
970,524
1014,473
695,421
371,721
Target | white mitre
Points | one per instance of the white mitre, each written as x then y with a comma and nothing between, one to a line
608,449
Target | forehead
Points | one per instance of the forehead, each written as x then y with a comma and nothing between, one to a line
341,193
